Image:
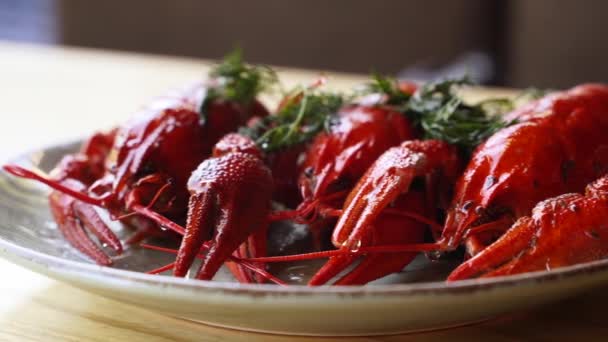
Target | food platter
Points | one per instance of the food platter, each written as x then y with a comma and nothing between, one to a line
29,238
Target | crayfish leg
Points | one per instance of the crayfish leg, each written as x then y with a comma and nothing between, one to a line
332,268
255,246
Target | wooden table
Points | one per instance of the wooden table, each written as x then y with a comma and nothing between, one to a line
49,94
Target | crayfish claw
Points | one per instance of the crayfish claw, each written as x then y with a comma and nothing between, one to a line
91,219
74,216
501,252
199,226
390,176
563,230
388,228
230,201
365,220
236,217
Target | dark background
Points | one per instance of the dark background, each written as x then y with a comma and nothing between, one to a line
518,43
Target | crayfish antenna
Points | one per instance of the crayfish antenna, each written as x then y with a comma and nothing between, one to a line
22,172
332,268
232,260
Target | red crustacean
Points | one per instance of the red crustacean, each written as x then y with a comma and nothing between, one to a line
558,146
564,230
229,203
382,171
149,164
141,163
158,146
337,159
169,138
363,223
77,171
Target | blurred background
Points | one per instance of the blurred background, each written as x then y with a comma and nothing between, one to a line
518,43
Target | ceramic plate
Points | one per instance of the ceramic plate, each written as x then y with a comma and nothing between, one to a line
29,237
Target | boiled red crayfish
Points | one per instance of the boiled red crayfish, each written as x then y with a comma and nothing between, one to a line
362,148
358,134
557,146
362,222
561,231
337,158
383,172
143,166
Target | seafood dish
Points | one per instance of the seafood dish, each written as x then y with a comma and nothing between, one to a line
377,176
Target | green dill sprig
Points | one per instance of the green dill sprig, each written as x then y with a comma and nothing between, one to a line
386,86
235,80
442,114
306,113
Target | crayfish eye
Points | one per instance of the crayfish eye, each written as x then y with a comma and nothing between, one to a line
466,206
308,172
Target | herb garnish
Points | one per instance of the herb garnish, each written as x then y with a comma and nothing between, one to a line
440,113
387,86
235,80
436,108
306,112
